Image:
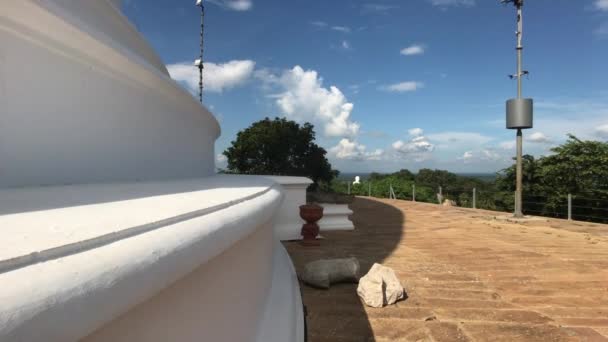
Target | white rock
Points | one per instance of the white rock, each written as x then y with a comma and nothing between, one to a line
323,273
380,287
449,203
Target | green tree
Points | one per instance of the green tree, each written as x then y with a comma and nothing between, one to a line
532,180
279,147
576,167
436,178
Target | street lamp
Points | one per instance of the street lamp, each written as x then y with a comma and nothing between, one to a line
519,110
199,62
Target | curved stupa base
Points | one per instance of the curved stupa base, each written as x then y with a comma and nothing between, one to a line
114,225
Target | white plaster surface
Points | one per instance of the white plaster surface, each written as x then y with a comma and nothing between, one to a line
288,224
84,99
66,298
109,233
336,217
35,220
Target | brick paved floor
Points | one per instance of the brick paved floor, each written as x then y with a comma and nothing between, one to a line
469,277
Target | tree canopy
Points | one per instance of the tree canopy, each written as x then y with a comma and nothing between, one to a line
575,167
279,147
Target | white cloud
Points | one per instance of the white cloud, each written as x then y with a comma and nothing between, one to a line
235,5
217,77
507,145
347,149
412,50
403,87
490,154
346,45
601,5
415,132
564,116
539,137
446,3
221,159
343,29
377,8
319,24
483,155
418,148
302,97
467,156
460,139
602,131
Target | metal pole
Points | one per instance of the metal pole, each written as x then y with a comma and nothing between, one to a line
369,189
474,198
519,168
413,192
348,187
519,176
440,197
569,207
201,64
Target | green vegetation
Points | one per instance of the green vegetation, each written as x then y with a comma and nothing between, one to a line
279,147
577,167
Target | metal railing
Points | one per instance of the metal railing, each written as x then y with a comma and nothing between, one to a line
579,207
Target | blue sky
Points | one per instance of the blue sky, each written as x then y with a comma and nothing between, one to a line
392,84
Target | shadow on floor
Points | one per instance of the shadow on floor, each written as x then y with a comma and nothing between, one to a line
338,314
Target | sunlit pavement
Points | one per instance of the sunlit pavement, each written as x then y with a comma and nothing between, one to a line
468,277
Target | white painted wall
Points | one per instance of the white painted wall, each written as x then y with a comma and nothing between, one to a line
84,99
336,217
288,224
199,264
222,300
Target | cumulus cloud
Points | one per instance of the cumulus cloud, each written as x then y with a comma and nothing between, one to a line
490,154
601,5
303,97
507,145
418,148
235,5
412,50
403,87
459,139
319,24
539,137
467,156
351,150
483,155
447,3
342,29
346,45
415,132
602,131
377,8
217,77
221,159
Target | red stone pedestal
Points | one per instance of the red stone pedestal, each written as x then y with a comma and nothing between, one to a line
311,213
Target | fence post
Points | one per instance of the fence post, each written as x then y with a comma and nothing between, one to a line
413,192
348,187
369,189
569,207
440,197
474,198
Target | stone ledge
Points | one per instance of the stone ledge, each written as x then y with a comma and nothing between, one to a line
114,277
